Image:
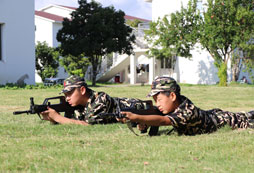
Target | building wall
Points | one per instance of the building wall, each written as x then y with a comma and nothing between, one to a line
44,31
18,49
199,69
56,27
162,7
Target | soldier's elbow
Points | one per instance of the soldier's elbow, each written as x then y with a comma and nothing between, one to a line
165,121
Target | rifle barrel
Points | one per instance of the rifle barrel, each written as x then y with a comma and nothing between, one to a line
21,112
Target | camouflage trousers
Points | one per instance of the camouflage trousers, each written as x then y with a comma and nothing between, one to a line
235,120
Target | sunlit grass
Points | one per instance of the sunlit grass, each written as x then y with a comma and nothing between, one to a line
31,145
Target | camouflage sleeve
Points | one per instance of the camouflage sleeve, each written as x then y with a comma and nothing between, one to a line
186,119
178,120
182,114
102,104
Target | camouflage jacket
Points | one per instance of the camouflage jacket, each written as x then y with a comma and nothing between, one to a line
100,102
188,119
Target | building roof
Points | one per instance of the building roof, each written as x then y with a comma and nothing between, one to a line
57,18
127,17
49,16
57,6
72,8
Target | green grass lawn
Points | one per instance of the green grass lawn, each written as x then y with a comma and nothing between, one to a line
31,145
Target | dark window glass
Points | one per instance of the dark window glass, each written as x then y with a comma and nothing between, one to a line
162,63
168,62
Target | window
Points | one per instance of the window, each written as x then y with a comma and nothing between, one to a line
1,41
168,62
162,62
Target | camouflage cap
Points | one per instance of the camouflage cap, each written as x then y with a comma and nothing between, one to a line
161,84
73,82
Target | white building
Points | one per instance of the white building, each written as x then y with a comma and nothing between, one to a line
17,49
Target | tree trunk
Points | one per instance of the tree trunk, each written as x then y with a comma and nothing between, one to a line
96,63
94,74
222,73
236,69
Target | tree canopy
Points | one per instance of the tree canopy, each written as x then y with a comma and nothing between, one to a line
222,27
46,60
227,26
75,65
133,23
94,31
174,34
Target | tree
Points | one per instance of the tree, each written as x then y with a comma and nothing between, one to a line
243,60
75,65
133,23
174,34
228,25
236,65
94,31
46,60
224,26
249,64
248,60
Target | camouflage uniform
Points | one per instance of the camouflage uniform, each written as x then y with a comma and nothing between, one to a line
188,119
98,102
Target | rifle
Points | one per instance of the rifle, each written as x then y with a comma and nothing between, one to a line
147,108
62,106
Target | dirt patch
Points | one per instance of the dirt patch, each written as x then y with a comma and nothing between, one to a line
7,108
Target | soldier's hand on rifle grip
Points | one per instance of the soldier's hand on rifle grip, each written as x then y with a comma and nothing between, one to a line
121,118
49,115
128,116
